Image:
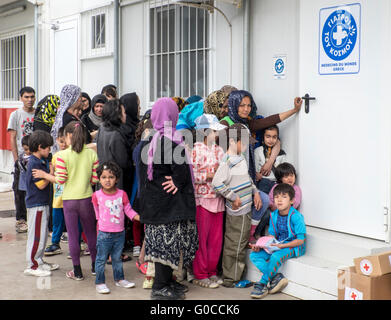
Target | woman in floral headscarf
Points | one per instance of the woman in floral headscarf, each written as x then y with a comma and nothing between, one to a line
45,113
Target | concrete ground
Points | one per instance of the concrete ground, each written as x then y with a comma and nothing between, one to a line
15,285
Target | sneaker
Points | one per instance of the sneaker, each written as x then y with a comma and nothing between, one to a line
64,238
166,293
136,251
216,279
260,291
102,288
71,275
179,287
148,283
125,284
278,283
21,226
86,252
50,266
190,276
206,283
93,271
39,272
53,249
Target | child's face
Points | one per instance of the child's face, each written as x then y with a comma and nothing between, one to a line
211,136
62,143
289,179
270,137
26,150
44,153
283,201
107,180
237,146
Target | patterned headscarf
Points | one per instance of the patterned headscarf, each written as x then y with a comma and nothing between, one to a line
214,101
234,101
47,110
180,102
69,95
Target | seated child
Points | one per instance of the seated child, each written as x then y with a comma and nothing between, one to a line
286,173
111,205
233,182
288,227
263,153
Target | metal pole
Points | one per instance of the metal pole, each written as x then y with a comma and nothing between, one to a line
36,65
116,44
246,45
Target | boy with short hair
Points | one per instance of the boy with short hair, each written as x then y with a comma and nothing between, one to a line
37,204
288,227
22,164
233,182
20,124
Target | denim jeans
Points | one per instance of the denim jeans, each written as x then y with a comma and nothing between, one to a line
258,214
109,243
265,185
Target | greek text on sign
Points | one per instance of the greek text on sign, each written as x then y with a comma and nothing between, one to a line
339,43
279,66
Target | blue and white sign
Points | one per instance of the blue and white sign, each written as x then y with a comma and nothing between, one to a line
279,66
339,39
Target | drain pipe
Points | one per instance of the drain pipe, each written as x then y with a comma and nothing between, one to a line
246,45
116,44
36,49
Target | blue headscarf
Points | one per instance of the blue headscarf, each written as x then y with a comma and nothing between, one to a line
193,99
234,101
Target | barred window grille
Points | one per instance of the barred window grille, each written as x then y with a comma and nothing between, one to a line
98,28
13,67
179,50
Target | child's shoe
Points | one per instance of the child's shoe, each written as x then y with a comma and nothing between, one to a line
39,272
142,267
53,249
21,226
148,282
102,288
71,275
260,291
49,266
278,283
64,237
125,284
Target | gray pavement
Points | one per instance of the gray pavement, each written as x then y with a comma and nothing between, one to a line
15,285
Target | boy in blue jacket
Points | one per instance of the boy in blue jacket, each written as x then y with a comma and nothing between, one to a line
288,227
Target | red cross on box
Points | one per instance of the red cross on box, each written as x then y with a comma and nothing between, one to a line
354,296
366,267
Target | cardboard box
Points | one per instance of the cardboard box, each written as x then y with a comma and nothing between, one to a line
355,286
375,265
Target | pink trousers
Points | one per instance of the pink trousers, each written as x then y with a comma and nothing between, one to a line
210,235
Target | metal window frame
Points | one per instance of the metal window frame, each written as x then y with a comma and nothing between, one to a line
204,52
17,66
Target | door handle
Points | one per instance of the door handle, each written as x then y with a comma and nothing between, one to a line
307,99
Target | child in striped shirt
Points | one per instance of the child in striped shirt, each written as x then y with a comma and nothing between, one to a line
233,182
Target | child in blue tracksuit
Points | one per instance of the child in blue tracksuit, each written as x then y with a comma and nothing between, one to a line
288,227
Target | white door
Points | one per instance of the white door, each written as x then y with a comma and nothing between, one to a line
65,56
344,143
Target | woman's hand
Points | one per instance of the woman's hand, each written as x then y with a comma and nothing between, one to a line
297,103
169,185
257,201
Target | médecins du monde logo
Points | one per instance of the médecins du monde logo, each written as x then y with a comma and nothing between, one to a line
339,35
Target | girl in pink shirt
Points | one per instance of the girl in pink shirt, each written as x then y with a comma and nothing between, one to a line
111,205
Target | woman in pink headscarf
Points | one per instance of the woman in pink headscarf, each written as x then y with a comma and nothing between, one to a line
167,203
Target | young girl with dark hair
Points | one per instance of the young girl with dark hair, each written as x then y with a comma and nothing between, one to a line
76,170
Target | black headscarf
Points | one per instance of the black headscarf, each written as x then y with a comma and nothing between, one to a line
86,111
130,103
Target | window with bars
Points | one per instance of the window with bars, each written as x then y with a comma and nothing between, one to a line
13,67
98,28
178,50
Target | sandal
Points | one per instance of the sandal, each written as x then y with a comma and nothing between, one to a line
71,275
128,258
243,284
206,283
142,267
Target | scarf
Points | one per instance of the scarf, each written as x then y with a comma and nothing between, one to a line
99,98
164,117
69,95
234,101
130,103
47,110
180,102
213,103
193,99
86,111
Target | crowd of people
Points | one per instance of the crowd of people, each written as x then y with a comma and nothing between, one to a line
190,186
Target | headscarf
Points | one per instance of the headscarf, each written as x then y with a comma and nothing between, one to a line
47,110
164,117
130,103
193,99
228,89
96,120
69,95
86,111
189,114
180,102
234,101
214,101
